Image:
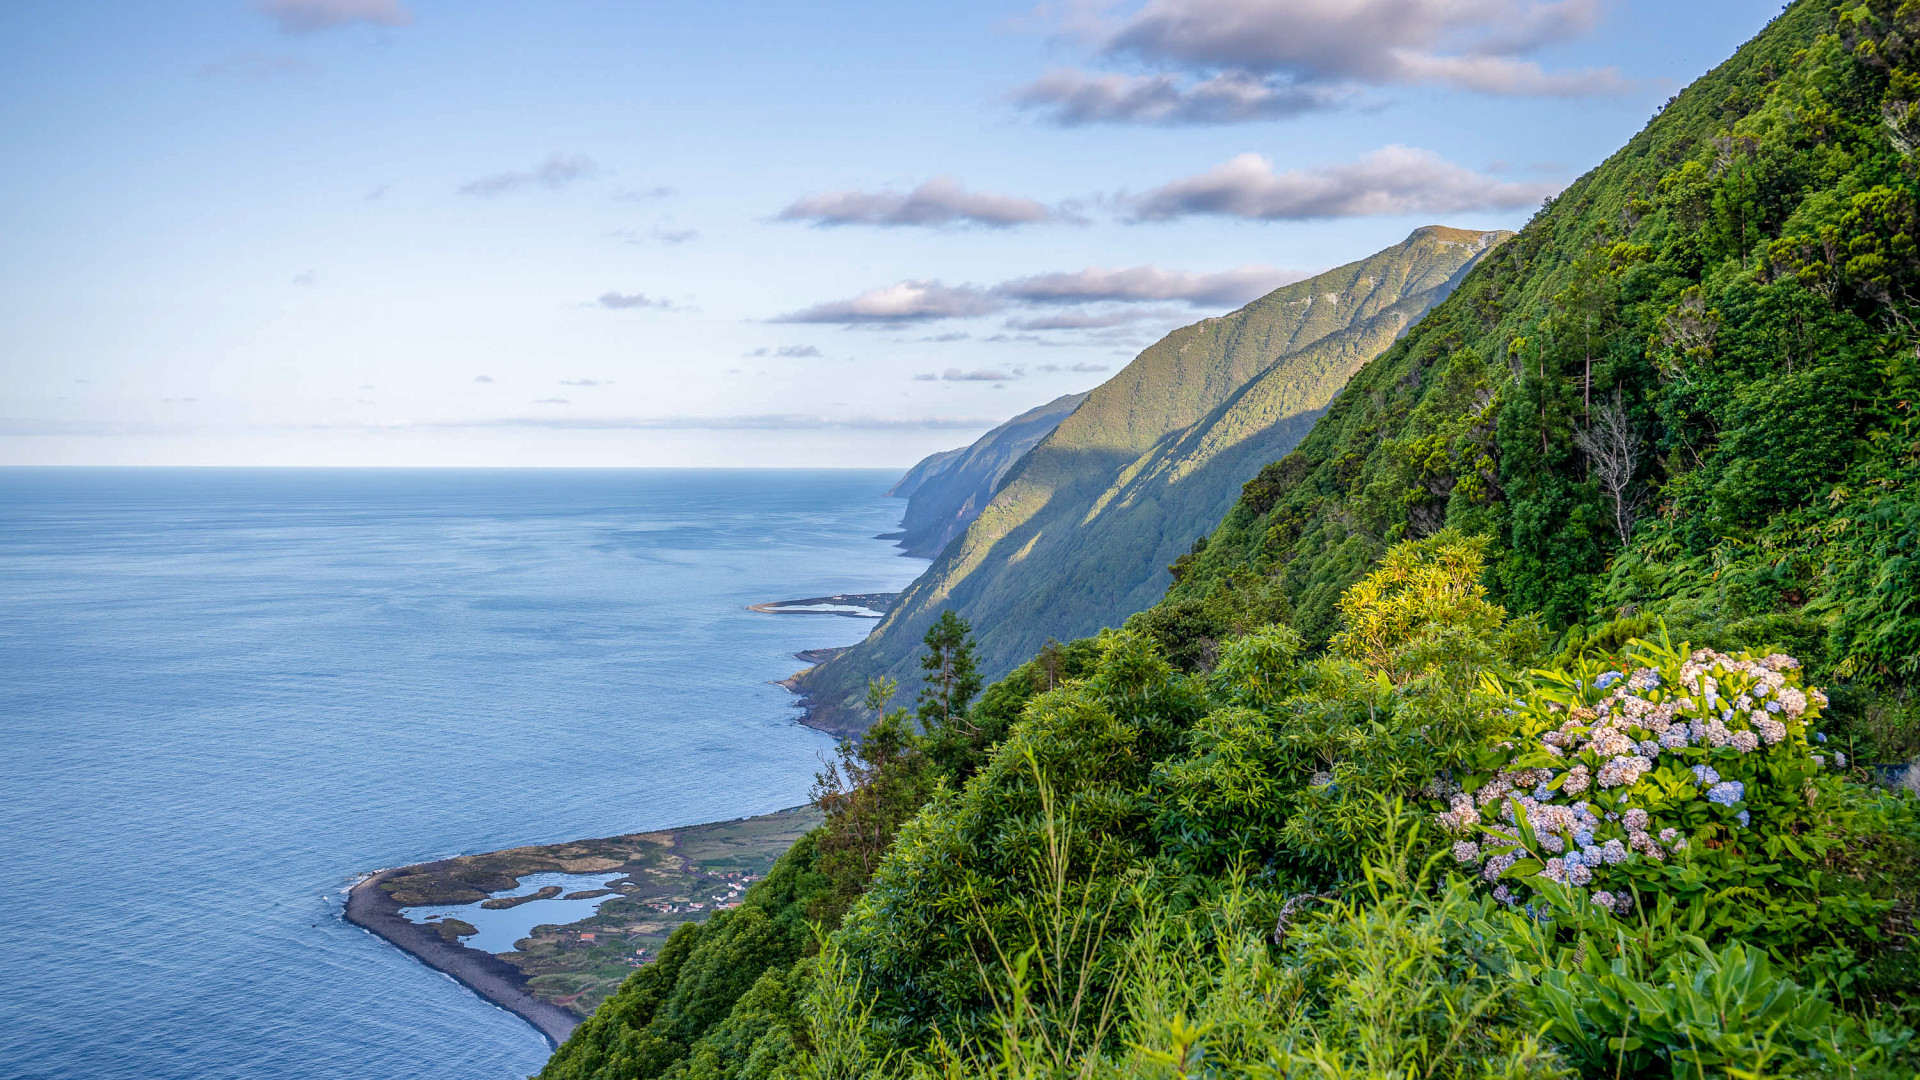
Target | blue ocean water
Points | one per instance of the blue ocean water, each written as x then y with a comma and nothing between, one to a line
224,693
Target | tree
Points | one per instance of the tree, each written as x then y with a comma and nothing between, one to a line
866,792
1421,586
1612,443
952,676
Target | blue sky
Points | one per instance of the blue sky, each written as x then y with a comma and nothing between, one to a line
587,232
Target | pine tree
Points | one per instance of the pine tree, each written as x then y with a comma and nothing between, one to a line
952,676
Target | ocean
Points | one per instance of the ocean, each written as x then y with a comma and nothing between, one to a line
225,693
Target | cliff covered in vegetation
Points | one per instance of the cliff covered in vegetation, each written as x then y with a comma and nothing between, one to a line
946,491
1511,725
1080,531
1686,388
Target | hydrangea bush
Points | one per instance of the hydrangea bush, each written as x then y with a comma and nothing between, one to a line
1686,773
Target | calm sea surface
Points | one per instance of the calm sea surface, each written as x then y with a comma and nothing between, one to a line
225,693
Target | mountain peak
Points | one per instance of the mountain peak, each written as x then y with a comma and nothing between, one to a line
1447,234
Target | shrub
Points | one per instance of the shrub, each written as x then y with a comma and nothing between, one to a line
1696,775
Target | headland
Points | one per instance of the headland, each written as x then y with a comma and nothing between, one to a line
556,976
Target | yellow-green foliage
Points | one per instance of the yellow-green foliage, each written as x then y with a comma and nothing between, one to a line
1235,873
1434,582
1072,909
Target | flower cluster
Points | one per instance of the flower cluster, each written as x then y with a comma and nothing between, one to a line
1620,768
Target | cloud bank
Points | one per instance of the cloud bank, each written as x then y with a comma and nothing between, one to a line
1138,284
1390,181
558,170
926,301
904,302
1226,61
939,201
1074,98
625,301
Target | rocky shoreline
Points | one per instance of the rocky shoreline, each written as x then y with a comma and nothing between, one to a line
374,910
373,906
559,972
831,719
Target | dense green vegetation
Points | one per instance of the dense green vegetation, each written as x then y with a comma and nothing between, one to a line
1512,725
721,999
946,491
1686,389
1093,895
1081,529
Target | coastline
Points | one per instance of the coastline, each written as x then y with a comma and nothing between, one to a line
370,908
845,605
813,714
376,910
559,972
831,719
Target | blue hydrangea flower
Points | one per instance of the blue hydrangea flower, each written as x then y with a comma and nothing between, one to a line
1606,679
1820,736
1584,838
1706,775
1744,818
1541,792
1727,792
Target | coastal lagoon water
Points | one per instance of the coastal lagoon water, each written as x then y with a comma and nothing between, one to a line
500,928
225,693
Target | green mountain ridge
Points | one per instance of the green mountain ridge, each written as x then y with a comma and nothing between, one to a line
1732,286
1177,862
1082,527
947,490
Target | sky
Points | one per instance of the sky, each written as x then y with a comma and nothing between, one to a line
624,233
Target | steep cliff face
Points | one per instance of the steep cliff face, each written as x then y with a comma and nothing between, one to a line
946,491
1081,529
1686,390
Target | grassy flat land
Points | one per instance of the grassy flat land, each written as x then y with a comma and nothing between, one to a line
671,877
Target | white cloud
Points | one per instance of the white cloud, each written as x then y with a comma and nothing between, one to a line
1146,284
1228,61
1072,98
658,234
787,352
926,301
558,170
307,16
1469,44
1393,180
939,201
907,301
645,194
982,375
622,301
